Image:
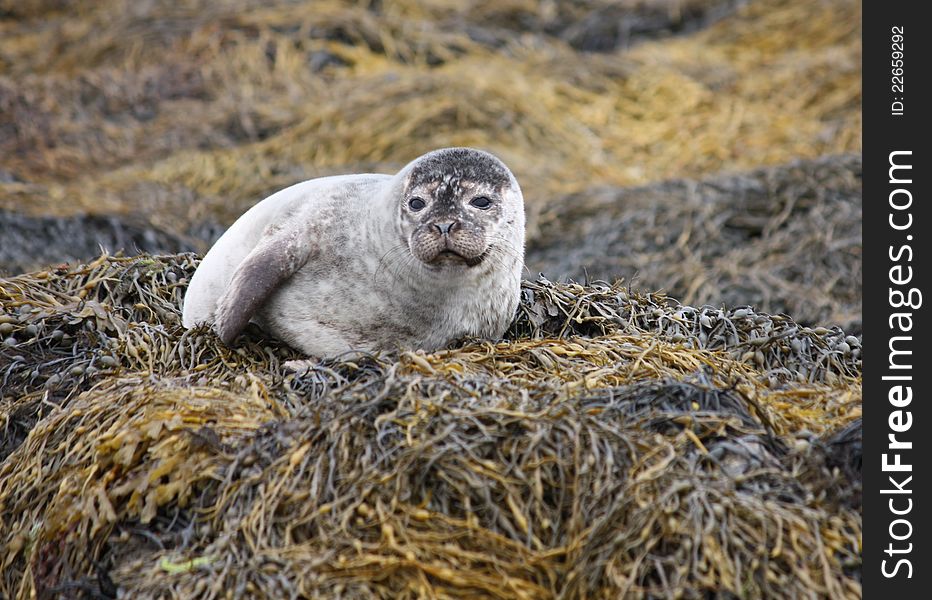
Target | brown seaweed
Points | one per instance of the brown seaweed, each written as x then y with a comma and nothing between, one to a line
612,443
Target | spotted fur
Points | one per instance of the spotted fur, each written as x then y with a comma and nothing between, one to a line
344,263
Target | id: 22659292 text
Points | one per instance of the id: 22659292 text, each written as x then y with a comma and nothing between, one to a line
897,60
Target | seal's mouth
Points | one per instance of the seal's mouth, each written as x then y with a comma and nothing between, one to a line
450,257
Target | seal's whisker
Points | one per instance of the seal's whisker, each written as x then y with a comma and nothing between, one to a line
387,258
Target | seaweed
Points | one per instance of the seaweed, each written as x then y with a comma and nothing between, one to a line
614,443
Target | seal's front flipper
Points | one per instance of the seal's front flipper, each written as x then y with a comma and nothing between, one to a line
301,366
275,259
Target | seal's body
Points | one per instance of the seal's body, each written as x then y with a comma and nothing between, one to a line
370,262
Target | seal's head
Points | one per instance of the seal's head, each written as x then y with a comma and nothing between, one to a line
461,208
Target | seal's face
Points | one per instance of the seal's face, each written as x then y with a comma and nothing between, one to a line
459,207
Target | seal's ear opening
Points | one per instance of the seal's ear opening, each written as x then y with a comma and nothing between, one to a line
272,261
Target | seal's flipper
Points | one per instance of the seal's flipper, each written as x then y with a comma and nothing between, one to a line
272,261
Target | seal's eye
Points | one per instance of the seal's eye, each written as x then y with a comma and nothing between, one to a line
416,204
481,202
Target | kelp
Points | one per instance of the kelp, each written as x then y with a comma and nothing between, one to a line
614,442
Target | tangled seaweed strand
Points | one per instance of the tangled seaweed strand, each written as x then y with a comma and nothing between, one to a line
614,443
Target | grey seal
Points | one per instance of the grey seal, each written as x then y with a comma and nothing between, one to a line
371,262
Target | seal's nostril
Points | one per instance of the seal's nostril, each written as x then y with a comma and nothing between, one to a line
445,228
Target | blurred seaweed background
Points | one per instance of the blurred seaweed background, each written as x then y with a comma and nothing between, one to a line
619,442
153,125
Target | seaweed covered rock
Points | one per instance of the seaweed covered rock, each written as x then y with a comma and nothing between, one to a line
787,239
32,242
615,442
